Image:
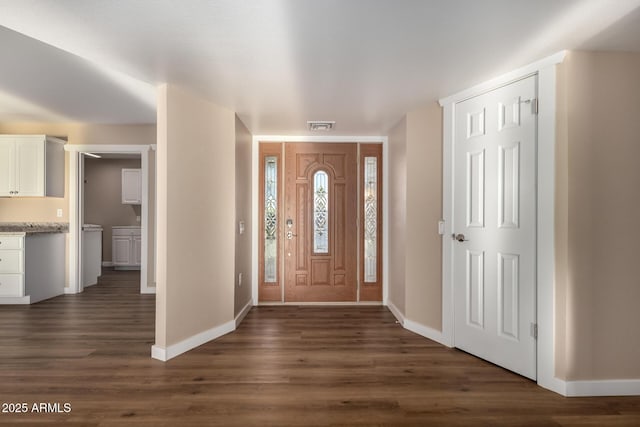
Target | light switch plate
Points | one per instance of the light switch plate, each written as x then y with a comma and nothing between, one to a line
241,227
441,227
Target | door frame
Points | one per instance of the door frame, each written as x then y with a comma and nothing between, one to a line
255,214
545,69
76,206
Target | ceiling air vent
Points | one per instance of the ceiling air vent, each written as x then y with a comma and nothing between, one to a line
320,125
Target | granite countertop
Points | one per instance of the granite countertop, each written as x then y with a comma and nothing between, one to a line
34,227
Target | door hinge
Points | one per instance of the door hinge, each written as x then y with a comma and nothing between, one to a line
533,102
534,331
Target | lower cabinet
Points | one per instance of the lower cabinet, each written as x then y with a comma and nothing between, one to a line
126,245
91,254
31,267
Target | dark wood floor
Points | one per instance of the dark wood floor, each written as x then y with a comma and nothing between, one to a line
283,366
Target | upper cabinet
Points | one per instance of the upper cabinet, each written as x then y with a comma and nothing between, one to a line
31,166
132,186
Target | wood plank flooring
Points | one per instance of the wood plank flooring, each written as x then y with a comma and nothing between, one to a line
283,366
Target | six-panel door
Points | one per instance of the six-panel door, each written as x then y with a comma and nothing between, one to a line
495,226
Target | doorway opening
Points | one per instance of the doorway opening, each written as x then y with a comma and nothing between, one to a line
111,189
135,243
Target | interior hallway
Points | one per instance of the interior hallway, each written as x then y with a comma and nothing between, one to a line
284,365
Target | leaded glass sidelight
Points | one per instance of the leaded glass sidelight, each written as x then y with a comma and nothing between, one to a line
370,219
320,212
270,219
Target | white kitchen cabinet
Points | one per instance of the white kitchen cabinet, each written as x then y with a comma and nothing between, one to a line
131,186
12,265
137,249
126,245
31,267
31,166
91,254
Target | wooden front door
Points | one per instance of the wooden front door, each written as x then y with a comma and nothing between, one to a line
320,222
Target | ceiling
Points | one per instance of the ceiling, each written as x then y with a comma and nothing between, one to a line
279,63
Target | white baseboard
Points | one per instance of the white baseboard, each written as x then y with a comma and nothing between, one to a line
553,384
603,388
396,312
245,310
15,300
107,264
416,327
192,342
68,290
323,303
158,353
426,332
149,289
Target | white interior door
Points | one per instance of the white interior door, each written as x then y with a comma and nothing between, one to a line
495,226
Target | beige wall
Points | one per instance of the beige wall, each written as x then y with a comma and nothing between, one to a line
415,207
423,249
597,235
196,216
103,197
397,213
243,213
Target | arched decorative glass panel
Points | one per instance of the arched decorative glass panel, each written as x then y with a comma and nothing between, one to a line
370,219
270,219
321,212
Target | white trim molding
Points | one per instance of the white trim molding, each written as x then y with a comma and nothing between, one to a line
26,300
545,70
603,388
425,331
165,354
243,313
504,79
396,312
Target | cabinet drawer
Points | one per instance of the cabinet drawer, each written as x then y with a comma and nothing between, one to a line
11,242
133,231
11,285
11,262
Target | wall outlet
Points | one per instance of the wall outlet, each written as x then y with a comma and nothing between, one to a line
239,279
138,218
241,227
59,213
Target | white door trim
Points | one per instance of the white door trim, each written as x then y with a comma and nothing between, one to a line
75,226
546,71
255,182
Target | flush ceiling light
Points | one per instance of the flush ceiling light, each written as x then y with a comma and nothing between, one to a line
320,125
